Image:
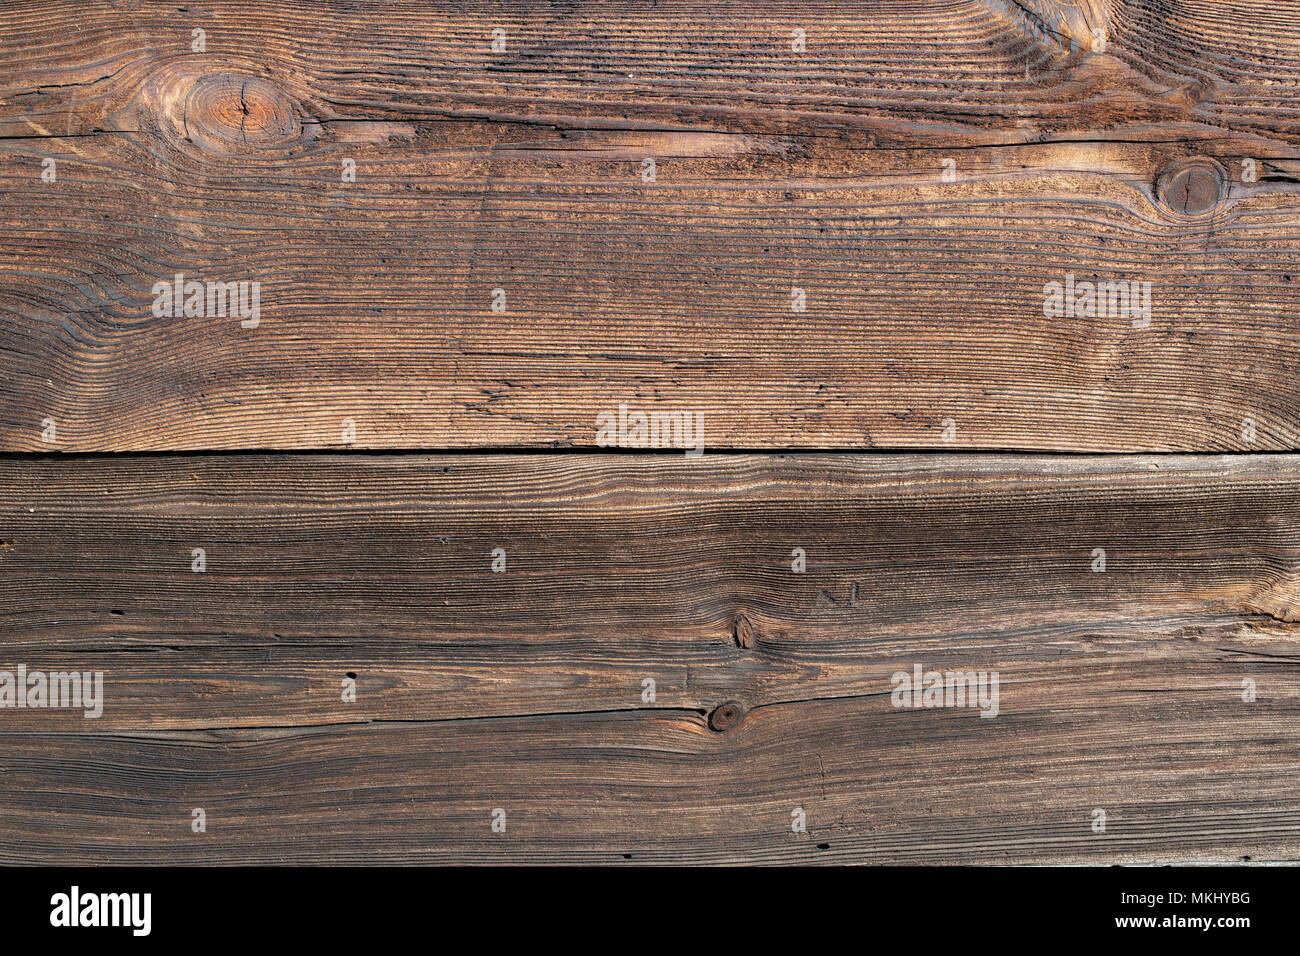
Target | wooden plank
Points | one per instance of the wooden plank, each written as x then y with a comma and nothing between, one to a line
1120,690
1184,775
775,170
961,69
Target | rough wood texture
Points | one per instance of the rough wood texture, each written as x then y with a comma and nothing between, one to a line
846,240
521,170
522,690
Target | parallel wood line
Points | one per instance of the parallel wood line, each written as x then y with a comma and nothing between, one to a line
925,297
620,569
962,66
1180,776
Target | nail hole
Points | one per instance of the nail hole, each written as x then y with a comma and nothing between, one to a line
352,675
823,846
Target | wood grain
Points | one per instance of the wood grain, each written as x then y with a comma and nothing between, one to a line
522,690
1185,776
919,172
521,170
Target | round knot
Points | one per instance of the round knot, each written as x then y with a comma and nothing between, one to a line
1192,187
725,716
232,111
223,111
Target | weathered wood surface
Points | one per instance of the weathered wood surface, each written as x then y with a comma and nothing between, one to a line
1169,156
522,690
521,170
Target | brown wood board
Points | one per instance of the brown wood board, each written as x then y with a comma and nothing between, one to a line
523,689
523,170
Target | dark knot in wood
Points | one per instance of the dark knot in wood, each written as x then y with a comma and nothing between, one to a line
725,716
1192,187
